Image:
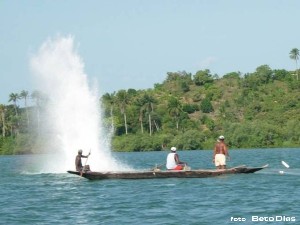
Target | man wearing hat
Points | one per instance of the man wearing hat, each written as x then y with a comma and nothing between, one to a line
220,153
173,162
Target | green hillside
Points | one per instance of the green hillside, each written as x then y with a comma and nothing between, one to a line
189,111
254,110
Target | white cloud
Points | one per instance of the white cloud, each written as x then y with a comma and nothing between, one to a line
207,62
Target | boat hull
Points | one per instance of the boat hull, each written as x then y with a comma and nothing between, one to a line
201,173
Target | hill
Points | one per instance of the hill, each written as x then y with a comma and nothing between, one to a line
256,110
189,111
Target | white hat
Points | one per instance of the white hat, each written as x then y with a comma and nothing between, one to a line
221,137
173,149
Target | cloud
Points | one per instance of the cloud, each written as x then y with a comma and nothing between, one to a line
207,62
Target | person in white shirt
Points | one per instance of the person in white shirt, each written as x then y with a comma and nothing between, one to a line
173,162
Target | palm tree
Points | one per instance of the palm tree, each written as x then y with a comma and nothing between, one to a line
141,119
294,54
140,102
24,95
110,99
37,96
123,101
2,118
149,106
175,109
13,97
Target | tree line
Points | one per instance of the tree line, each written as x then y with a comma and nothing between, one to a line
191,111
253,110
20,126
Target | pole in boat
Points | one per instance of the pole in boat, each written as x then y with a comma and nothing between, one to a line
87,158
84,167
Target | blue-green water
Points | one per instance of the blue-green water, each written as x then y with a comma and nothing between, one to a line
30,197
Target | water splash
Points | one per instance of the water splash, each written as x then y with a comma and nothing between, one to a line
73,115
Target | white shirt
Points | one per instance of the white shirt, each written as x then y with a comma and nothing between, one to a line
171,163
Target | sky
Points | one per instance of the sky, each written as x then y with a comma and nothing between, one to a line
134,43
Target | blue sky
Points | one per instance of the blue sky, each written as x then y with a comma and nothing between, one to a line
134,43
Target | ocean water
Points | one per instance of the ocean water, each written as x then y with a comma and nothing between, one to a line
29,196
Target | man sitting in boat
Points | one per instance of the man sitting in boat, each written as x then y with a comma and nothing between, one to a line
173,162
220,153
78,163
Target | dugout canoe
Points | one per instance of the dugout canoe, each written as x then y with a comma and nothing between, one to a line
153,174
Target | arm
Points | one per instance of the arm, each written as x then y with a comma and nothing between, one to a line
214,154
176,157
85,156
226,151
177,160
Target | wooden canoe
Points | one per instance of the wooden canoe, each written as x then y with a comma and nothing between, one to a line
200,173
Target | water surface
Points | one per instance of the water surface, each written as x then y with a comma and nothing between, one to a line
29,196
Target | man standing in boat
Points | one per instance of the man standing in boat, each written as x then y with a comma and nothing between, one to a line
220,153
78,163
173,162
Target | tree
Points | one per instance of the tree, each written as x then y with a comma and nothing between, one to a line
281,75
294,54
37,96
149,102
140,102
110,99
2,118
13,97
24,95
203,77
175,109
264,74
141,119
234,75
184,86
206,106
123,101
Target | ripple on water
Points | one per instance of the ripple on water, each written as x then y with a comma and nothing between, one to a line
36,198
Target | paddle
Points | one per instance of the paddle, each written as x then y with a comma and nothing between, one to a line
87,157
156,167
285,164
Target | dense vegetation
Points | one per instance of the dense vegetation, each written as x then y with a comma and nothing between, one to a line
253,110
19,127
260,109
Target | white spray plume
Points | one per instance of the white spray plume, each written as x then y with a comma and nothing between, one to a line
73,109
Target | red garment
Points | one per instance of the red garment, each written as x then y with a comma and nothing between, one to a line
178,167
